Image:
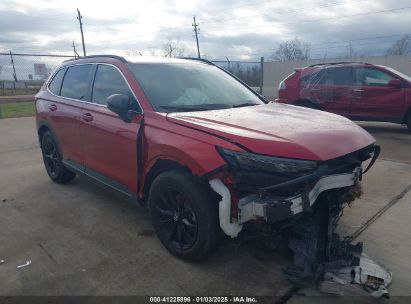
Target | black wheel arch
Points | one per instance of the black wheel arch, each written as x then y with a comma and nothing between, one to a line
42,128
161,166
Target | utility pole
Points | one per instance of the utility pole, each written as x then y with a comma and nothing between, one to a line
196,30
79,17
261,74
75,51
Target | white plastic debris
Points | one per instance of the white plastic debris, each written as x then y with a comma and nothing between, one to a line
24,265
368,278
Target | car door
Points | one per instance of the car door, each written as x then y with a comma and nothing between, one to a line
375,98
110,144
330,88
70,88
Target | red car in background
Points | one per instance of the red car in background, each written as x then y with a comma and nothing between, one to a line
359,91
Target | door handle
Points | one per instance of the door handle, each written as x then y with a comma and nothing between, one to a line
358,90
53,107
87,117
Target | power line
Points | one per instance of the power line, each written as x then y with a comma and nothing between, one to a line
262,52
337,42
327,18
302,21
290,11
239,6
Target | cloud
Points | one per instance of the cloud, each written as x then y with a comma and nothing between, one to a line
236,29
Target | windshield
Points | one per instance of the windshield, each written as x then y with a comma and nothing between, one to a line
179,87
406,77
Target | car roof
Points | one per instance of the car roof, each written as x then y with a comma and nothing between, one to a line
132,59
332,64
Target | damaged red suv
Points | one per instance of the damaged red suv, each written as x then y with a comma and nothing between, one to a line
205,153
359,91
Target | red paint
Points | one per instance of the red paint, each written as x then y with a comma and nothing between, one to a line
97,138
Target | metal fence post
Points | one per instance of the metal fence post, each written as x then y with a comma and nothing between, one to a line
261,74
14,69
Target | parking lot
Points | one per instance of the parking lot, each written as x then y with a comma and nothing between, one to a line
84,241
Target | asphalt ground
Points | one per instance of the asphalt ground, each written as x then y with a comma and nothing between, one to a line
82,240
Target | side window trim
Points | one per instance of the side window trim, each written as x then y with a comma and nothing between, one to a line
88,81
92,78
61,83
125,80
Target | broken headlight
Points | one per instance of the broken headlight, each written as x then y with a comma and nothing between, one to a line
257,162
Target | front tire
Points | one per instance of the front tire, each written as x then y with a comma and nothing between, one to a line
53,161
184,214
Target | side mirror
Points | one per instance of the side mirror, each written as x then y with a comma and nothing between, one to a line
395,83
120,104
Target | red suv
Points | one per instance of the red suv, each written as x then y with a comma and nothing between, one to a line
200,149
360,91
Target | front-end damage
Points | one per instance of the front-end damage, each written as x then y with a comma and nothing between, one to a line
300,203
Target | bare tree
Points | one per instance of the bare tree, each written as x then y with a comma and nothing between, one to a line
292,50
399,47
173,48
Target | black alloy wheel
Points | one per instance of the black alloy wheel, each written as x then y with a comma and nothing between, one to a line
53,161
184,213
177,219
51,157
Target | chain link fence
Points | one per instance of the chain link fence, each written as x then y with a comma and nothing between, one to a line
23,74
251,72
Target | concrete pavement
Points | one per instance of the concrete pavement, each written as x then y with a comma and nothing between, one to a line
84,241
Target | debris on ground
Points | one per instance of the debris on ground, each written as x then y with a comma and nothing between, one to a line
2,261
334,264
24,265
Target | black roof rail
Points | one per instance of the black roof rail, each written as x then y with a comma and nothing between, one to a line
122,59
335,63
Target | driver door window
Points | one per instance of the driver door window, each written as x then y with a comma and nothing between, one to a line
109,81
373,77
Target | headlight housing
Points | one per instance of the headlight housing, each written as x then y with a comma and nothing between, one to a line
269,164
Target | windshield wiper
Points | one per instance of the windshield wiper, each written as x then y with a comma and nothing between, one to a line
188,108
246,104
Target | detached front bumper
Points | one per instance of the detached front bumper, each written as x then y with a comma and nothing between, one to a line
275,209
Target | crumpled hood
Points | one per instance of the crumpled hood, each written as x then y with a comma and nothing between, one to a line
281,130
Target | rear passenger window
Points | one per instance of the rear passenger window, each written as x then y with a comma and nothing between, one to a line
75,83
55,84
108,81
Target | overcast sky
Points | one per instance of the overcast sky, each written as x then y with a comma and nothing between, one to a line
237,29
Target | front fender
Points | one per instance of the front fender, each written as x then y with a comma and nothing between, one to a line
186,147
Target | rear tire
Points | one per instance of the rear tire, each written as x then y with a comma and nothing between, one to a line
52,159
184,214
